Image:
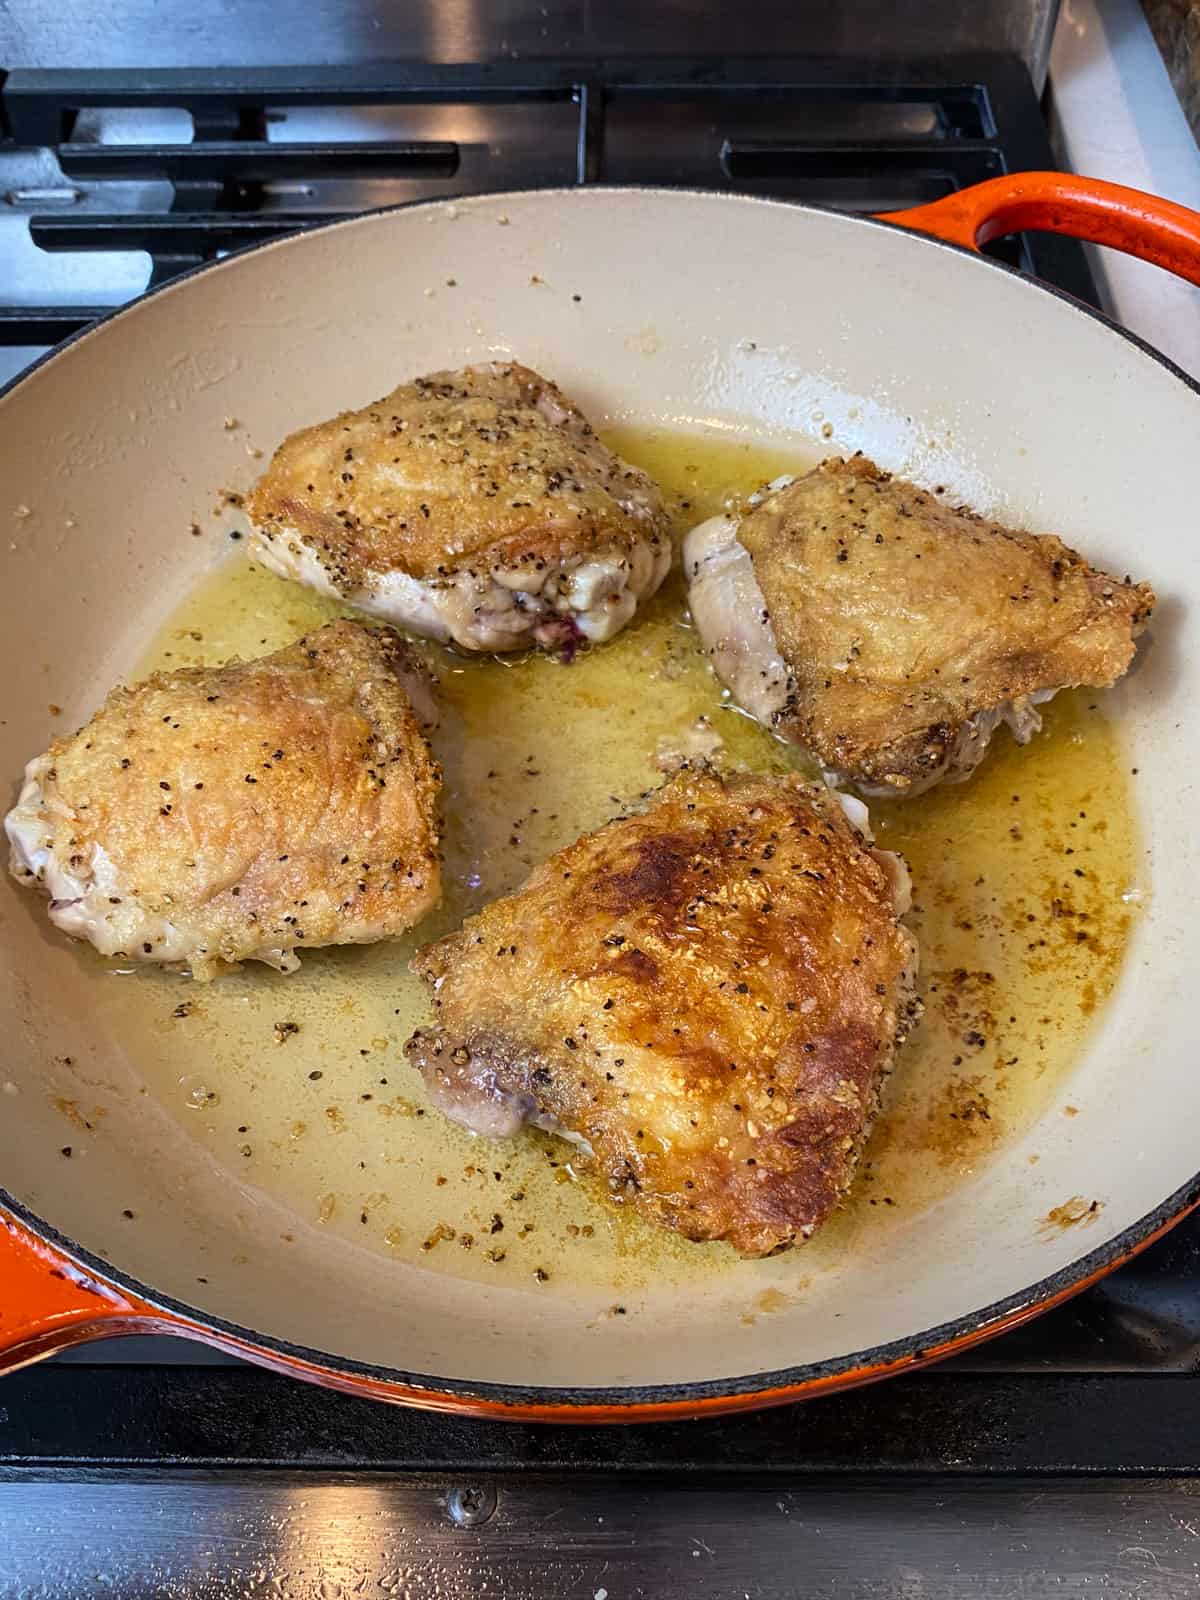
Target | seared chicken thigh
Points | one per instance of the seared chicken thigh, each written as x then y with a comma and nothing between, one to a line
704,998
475,506
890,633
236,813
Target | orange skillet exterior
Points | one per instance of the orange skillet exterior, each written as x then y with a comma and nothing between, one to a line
1059,202
47,1304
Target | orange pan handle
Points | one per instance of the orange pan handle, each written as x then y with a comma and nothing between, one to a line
1058,202
47,1303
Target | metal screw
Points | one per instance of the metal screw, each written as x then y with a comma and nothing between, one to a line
471,1504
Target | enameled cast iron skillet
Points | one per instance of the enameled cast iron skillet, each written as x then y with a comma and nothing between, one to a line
694,309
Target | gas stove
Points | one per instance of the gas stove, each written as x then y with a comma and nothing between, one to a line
117,181
226,1478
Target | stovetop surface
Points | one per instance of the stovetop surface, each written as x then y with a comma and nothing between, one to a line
118,180
115,181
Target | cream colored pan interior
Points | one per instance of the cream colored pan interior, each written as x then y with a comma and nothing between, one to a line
795,330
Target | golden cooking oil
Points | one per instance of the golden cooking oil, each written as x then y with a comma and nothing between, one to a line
298,1085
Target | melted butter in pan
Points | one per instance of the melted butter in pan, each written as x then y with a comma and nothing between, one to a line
298,1084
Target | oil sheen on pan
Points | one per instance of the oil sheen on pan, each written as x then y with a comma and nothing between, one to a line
1025,889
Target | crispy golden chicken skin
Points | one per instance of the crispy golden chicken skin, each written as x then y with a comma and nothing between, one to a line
892,633
476,506
705,997
236,813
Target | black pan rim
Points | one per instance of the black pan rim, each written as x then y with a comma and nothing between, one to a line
788,1381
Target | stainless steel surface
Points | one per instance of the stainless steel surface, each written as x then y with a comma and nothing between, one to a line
292,1537
163,33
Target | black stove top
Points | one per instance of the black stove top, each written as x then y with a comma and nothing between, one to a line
116,180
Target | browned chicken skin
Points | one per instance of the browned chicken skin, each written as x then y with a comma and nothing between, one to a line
705,997
242,812
890,632
477,506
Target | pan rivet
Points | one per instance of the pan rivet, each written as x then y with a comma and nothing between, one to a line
470,1504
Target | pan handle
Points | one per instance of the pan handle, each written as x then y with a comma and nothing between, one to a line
47,1303
1059,202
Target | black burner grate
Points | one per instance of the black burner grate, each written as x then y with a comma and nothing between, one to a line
185,166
